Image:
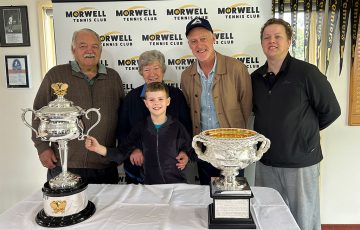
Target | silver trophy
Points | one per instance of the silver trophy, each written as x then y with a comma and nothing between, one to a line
65,201
230,150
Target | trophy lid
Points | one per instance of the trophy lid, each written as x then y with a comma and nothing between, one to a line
60,106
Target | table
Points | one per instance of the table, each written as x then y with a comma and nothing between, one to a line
170,206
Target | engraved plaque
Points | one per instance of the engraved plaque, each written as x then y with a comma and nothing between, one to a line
232,208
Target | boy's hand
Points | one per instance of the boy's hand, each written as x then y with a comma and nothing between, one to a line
93,145
136,157
182,159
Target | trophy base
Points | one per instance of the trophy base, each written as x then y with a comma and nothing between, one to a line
231,206
54,222
229,223
65,206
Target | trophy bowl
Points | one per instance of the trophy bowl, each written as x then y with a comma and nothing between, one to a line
60,120
229,150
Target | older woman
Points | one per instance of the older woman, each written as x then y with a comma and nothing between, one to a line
152,68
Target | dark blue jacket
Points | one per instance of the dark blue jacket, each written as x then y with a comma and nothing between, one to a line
291,113
160,147
133,111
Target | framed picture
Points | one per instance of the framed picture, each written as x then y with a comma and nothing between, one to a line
14,26
17,73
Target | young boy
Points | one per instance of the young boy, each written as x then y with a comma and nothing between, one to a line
164,141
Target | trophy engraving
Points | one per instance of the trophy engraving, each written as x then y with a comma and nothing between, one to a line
60,121
230,150
58,206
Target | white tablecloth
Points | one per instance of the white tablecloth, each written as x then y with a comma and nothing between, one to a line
136,207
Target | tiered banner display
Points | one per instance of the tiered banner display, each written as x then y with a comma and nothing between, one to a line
128,28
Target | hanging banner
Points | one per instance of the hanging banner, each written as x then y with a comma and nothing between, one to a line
320,9
128,28
273,8
281,7
307,21
344,18
354,27
294,10
333,14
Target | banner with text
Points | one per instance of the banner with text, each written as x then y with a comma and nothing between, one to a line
320,11
128,28
333,14
294,10
281,8
355,11
307,21
344,18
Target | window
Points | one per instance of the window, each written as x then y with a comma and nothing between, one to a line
298,50
46,35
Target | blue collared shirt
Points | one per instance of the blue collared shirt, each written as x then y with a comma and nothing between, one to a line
208,114
101,69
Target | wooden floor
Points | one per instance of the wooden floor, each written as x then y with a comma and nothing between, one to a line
340,227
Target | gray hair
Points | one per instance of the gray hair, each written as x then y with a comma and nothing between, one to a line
86,30
149,57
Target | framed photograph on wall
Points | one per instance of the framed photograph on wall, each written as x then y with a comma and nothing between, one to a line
17,72
14,26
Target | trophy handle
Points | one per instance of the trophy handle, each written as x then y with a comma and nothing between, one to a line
25,122
93,126
199,152
265,145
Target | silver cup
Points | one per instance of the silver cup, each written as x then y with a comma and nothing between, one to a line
230,150
60,121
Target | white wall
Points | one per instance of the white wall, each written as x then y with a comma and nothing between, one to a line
340,171
21,173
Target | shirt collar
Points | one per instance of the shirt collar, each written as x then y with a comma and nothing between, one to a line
200,71
75,67
284,66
